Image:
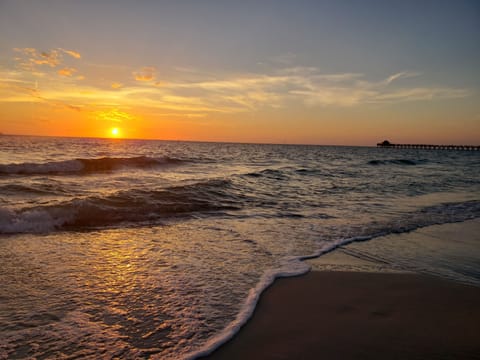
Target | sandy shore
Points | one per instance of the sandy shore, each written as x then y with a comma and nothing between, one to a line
354,315
362,315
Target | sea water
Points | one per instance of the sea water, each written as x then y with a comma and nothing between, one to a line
137,249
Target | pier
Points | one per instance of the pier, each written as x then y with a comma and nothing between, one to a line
388,144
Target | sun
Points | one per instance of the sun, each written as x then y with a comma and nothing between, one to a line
115,132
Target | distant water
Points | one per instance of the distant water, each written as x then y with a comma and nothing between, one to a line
129,248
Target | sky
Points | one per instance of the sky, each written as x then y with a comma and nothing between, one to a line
269,71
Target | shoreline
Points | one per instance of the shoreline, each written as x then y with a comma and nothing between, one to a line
353,308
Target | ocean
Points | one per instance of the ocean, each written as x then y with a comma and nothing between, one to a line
160,249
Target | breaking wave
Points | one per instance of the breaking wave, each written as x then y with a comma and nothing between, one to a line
132,206
85,166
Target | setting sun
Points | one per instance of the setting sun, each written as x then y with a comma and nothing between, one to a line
115,132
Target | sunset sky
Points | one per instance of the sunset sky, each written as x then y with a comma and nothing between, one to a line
317,72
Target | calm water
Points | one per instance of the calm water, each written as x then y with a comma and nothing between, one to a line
116,248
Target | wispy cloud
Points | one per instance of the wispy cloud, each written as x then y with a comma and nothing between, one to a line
401,75
194,93
351,89
146,73
312,87
31,60
31,57
417,94
180,114
67,71
114,115
72,53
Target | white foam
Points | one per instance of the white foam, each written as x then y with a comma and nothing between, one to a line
44,168
292,266
30,221
296,268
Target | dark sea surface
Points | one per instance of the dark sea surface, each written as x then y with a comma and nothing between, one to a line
137,249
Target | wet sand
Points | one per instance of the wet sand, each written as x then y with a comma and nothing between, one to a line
355,315
362,315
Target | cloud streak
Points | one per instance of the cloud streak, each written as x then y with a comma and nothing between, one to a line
72,53
30,59
146,73
67,71
113,115
313,88
198,94
401,75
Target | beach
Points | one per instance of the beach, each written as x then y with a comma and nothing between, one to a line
354,311
239,179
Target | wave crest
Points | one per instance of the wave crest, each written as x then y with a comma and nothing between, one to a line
85,166
132,206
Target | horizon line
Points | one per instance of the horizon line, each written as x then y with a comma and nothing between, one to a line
180,140
223,141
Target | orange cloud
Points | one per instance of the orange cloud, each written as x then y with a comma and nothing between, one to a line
146,73
51,58
116,85
114,115
67,71
72,53
35,57
54,58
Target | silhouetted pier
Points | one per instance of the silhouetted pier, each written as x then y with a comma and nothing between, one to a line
388,144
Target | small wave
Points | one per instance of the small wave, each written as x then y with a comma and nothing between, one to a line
292,266
396,162
295,265
274,174
85,166
304,171
132,206
15,189
431,215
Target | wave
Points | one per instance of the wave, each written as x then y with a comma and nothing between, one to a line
285,173
291,266
274,174
33,189
132,206
85,166
295,266
397,162
304,171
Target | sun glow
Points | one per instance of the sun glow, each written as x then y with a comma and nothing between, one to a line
115,132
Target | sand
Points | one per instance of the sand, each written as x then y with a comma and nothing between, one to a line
355,315
362,315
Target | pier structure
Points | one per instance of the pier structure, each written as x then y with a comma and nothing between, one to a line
388,144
